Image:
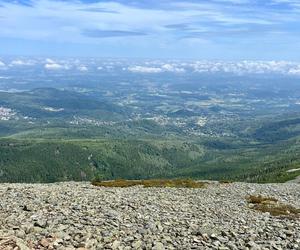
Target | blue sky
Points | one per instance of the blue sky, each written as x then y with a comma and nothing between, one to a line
216,29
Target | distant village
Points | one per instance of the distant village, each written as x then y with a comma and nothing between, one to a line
6,114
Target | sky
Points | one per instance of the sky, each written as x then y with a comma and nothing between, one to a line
196,29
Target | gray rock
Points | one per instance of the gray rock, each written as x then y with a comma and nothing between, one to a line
115,244
158,246
77,215
137,244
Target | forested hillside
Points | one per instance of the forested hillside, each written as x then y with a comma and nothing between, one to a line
61,160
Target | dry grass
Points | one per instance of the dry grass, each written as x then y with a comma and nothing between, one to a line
225,182
116,183
273,206
179,183
260,199
176,183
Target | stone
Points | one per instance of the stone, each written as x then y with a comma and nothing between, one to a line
44,242
81,216
115,245
40,223
158,246
137,244
22,245
214,237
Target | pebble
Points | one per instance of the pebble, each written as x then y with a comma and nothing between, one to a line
73,215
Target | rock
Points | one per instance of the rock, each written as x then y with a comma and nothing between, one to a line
196,240
107,239
26,208
288,233
20,234
129,239
214,237
115,244
36,230
57,243
74,215
253,246
205,237
137,244
44,243
22,245
158,246
40,223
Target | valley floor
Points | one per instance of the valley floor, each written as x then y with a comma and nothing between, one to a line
78,215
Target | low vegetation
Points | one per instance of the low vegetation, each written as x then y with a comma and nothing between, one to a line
259,199
225,181
175,183
273,206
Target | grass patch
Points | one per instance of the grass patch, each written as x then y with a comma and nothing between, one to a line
225,182
178,183
260,199
116,183
174,183
273,206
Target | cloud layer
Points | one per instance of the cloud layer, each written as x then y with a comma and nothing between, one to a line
181,67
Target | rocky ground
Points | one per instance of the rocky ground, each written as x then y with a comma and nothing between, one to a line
80,216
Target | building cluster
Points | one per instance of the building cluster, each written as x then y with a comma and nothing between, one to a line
6,114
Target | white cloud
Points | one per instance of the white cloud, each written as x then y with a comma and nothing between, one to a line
161,66
246,67
166,24
50,61
230,67
295,71
2,64
82,68
172,68
142,69
19,62
65,20
156,67
55,66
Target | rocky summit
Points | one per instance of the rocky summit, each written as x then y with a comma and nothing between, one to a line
81,216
